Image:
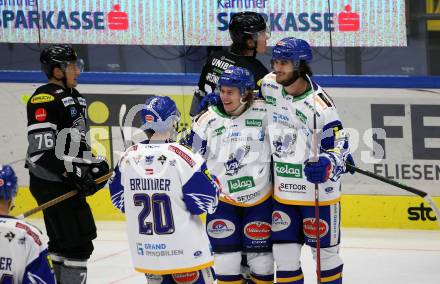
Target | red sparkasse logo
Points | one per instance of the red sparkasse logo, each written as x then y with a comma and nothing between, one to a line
348,21
117,20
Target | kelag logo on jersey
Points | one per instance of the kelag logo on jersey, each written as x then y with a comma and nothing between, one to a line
254,122
28,18
288,170
240,184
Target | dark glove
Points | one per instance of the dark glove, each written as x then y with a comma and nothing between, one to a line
81,178
349,161
209,100
100,169
318,172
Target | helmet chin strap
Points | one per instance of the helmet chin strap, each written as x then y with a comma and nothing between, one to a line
11,205
239,110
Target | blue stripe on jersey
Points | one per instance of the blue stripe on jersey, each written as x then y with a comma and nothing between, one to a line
39,271
117,190
200,192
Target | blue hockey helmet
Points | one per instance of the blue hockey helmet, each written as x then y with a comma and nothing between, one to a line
160,114
237,77
8,182
294,49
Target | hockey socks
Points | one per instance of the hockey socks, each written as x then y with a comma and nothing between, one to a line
291,277
230,279
332,276
261,279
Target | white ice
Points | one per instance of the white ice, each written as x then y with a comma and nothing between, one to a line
371,256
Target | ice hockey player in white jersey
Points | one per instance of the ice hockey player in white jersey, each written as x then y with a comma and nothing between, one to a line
292,99
23,252
232,138
162,187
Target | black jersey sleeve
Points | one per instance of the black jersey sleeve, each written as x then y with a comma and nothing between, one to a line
43,114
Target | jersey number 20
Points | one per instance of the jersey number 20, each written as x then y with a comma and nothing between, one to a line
159,205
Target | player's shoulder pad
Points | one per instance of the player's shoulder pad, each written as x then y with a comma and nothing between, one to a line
270,77
205,118
127,152
45,94
323,101
259,105
269,81
31,231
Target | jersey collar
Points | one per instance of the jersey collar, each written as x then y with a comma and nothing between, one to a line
306,93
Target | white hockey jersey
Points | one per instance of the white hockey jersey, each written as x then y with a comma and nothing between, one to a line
237,151
23,254
290,130
162,188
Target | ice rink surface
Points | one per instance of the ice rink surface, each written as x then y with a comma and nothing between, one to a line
376,256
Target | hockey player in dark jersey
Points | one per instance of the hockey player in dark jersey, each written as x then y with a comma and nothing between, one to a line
23,252
59,160
248,31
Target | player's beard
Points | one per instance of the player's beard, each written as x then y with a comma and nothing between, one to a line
291,78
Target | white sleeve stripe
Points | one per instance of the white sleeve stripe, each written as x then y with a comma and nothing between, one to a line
36,158
75,263
41,126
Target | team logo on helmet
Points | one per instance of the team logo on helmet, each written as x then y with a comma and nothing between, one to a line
149,118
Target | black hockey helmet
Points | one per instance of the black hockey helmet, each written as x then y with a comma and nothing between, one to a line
57,55
245,25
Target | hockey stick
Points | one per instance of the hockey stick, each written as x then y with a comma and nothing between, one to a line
315,149
122,112
413,190
60,198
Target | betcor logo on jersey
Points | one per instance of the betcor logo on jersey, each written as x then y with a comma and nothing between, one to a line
257,231
186,278
309,227
220,228
280,221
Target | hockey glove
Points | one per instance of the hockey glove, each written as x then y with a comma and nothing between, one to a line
100,169
209,100
318,172
81,178
349,161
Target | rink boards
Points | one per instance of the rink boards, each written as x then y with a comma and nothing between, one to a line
407,149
